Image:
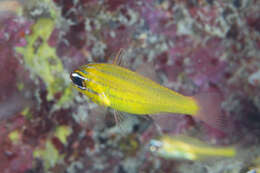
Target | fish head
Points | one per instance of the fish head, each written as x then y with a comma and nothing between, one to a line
84,80
78,80
80,77
155,146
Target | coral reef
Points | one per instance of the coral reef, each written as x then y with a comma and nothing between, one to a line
193,46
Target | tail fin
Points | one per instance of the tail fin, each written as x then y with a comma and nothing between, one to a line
210,109
226,152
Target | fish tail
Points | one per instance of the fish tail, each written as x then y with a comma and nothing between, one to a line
226,152
209,109
219,152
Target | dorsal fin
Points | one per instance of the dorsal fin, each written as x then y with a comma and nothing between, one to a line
147,69
119,56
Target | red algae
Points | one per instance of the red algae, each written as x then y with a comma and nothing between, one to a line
12,73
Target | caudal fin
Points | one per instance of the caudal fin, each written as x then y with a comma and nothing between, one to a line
226,152
210,109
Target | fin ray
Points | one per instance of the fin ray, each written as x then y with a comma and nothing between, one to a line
210,110
119,56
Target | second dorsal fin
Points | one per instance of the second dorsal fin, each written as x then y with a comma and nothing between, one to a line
119,56
147,70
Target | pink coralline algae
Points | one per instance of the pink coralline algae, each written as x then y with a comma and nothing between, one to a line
15,157
188,46
12,34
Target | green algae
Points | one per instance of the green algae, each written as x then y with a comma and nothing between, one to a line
26,113
20,86
62,132
54,13
42,61
14,136
50,155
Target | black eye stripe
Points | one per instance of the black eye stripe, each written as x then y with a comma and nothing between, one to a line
78,80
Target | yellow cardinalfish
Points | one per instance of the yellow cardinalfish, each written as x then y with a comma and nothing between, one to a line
124,90
187,148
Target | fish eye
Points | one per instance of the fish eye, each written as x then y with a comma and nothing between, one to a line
155,145
78,80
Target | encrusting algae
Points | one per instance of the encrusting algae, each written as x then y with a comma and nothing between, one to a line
42,61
